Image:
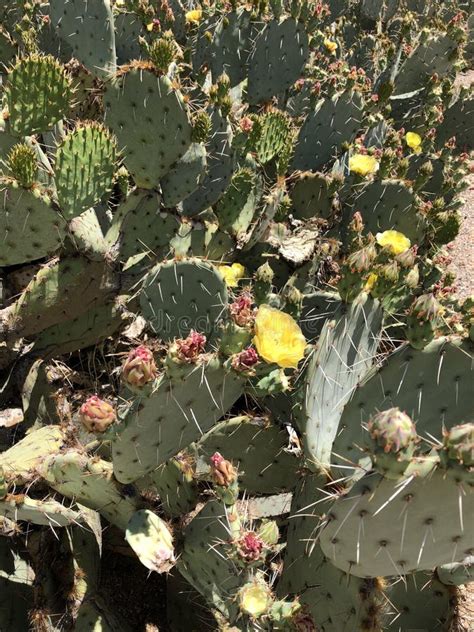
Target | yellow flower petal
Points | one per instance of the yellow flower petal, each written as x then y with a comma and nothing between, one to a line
232,274
369,284
363,164
393,240
194,16
413,140
330,46
255,599
278,338
149,27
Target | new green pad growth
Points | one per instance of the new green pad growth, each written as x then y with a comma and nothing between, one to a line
38,94
85,164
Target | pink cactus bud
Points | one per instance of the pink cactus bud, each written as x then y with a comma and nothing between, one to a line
216,459
246,124
139,368
188,349
222,471
250,546
96,414
245,360
242,311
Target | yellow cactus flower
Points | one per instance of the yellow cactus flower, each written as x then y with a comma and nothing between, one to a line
232,274
413,140
194,16
369,284
330,46
149,27
255,599
393,240
363,164
278,338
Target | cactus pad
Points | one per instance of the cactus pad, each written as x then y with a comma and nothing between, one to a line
30,228
38,94
85,163
179,296
150,120
382,527
176,414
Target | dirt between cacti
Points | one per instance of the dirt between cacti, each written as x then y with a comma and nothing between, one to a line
462,249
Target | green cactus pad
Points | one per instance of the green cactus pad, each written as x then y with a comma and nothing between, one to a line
86,234
61,290
41,512
204,560
435,55
231,45
91,482
141,226
419,601
432,386
344,353
220,166
185,176
7,48
335,600
128,28
178,296
177,413
175,485
335,121
151,539
273,135
38,94
202,239
20,463
30,228
457,121
311,196
150,120
384,527
279,54
390,205
458,573
22,164
84,167
259,452
85,330
236,208
317,308
88,28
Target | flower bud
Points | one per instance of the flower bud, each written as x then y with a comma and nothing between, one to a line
223,472
187,350
250,547
245,360
242,311
139,368
96,414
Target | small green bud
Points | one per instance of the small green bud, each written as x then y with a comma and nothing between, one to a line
201,127
22,164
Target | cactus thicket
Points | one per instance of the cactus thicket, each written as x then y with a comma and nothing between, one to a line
227,315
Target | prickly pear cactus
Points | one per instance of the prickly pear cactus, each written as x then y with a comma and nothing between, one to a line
233,361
